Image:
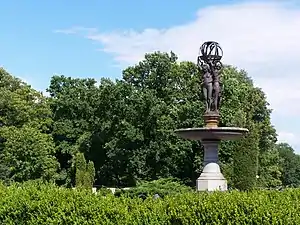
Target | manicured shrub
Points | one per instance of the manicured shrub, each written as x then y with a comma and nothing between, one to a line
46,204
161,187
104,191
85,172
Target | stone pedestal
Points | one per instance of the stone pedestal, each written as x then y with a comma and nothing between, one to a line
211,119
211,178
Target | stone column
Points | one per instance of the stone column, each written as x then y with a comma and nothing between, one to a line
211,178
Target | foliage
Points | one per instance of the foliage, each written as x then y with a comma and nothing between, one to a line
28,154
47,204
73,104
270,169
126,127
104,191
245,161
290,165
4,173
20,104
162,187
85,172
26,148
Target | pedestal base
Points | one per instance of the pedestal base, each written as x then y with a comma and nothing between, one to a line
211,179
211,119
211,184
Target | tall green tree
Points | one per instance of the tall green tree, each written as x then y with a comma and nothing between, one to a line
26,150
20,104
174,88
290,165
270,169
246,161
85,172
28,153
73,104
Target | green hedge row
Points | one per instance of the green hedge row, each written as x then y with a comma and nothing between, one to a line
162,187
46,204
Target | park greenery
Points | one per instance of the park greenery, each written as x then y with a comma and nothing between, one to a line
38,204
120,133
124,129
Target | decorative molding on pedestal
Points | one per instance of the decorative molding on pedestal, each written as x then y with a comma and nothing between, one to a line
211,119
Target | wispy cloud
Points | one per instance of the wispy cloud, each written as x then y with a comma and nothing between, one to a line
76,30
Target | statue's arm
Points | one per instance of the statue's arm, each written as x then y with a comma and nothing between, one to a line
199,63
212,71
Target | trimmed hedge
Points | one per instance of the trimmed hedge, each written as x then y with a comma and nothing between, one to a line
162,187
47,204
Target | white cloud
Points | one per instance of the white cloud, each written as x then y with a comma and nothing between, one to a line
262,37
288,137
75,30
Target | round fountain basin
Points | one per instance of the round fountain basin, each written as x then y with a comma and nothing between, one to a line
213,133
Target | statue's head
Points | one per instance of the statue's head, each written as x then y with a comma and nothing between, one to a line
205,68
218,65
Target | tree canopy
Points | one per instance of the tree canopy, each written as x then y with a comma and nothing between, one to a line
125,127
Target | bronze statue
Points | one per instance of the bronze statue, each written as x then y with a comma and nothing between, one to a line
207,85
216,69
210,66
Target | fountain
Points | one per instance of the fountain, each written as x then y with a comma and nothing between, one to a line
210,66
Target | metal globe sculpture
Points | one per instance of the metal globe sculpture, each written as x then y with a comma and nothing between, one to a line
210,51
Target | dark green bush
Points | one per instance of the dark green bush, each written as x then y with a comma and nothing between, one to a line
47,204
162,187
104,191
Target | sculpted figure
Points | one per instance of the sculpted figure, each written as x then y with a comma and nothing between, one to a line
216,69
207,86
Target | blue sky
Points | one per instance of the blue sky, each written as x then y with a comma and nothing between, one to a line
32,50
255,35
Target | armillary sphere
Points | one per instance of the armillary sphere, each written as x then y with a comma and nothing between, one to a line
210,51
